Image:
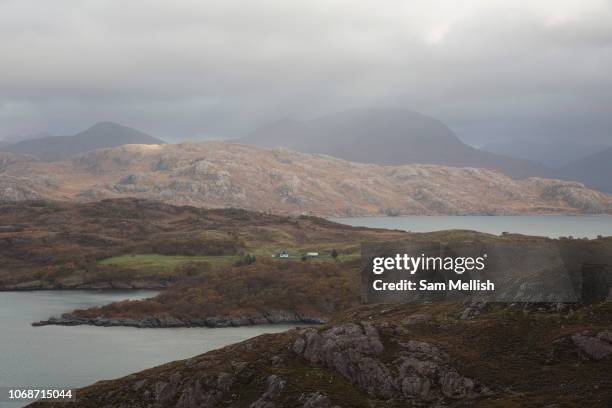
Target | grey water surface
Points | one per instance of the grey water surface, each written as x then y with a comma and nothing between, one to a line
74,356
552,226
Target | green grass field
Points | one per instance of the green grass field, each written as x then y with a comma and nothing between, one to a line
162,262
148,261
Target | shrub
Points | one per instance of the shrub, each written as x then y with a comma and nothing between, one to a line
248,259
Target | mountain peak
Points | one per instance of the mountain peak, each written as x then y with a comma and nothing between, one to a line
100,135
112,127
387,136
106,124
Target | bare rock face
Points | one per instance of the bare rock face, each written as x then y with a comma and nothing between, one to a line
318,400
19,189
275,385
176,390
472,310
207,390
573,193
417,318
417,371
597,347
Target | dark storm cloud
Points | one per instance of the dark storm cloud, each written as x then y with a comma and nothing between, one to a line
218,68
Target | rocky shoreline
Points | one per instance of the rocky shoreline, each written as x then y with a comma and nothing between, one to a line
146,322
135,285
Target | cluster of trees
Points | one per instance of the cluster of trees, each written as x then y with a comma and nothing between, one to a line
248,259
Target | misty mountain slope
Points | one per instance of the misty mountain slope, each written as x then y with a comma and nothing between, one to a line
595,171
554,154
100,135
218,174
12,139
388,137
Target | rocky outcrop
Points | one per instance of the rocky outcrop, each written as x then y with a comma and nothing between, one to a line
275,385
416,370
318,400
217,174
412,371
101,285
19,189
596,346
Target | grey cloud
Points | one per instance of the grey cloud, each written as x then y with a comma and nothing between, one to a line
188,68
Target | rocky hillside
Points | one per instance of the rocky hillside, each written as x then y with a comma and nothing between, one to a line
131,243
393,356
217,174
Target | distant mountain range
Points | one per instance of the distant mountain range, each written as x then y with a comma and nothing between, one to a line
387,137
595,171
101,135
588,164
379,136
554,154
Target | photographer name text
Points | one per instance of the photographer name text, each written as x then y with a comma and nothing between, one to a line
423,284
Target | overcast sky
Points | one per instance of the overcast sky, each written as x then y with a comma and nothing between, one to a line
179,69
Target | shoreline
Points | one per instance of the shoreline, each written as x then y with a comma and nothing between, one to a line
107,286
512,214
150,322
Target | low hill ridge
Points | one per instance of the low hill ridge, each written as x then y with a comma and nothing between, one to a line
219,174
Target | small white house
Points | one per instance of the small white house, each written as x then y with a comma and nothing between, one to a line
283,254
